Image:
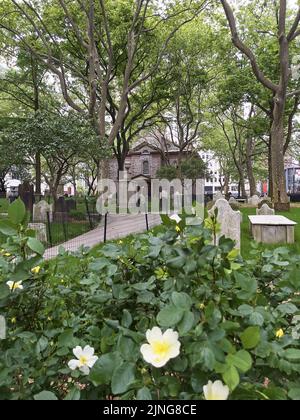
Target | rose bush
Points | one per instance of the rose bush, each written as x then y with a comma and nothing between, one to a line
165,316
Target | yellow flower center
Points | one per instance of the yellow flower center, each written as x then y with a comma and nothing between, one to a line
83,360
161,348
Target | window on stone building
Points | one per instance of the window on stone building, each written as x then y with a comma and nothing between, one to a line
146,167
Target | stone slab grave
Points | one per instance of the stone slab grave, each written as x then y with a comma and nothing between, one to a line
272,229
254,200
265,210
41,231
40,211
230,221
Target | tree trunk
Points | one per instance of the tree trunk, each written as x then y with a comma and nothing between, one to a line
270,187
279,193
249,166
226,185
38,174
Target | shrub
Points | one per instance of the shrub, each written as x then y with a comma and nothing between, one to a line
237,321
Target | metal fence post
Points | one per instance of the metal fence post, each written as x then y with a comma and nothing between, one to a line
64,228
147,222
105,226
88,212
49,228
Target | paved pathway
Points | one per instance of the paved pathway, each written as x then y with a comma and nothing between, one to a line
118,226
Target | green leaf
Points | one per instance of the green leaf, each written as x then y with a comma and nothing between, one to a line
122,378
67,339
36,246
102,370
241,360
250,337
144,394
187,322
231,377
169,316
17,211
181,300
42,344
256,319
292,354
45,396
126,318
287,308
294,394
73,395
208,358
7,228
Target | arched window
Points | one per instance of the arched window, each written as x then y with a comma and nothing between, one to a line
145,167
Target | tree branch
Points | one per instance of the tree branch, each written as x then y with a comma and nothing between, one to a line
245,50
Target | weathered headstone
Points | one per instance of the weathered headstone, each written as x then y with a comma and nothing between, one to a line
40,229
230,221
254,200
265,210
26,193
232,200
60,214
40,211
60,205
70,205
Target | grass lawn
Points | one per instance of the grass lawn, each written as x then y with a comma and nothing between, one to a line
71,231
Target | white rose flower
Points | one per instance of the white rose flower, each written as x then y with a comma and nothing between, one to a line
14,285
85,359
216,391
161,348
176,218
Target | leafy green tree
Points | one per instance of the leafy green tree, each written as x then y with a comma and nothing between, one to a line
62,141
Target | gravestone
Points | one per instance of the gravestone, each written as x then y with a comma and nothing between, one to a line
265,210
40,229
230,221
232,200
26,193
254,200
70,205
60,214
40,211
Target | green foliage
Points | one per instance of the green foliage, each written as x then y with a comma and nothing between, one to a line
227,312
191,168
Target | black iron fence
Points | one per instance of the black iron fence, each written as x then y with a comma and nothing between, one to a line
67,219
